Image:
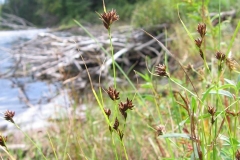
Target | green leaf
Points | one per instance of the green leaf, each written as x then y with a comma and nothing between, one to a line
230,81
175,135
145,77
204,116
228,86
205,94
193,104
183,122
222,92
147,85
238,82
148,97
230,141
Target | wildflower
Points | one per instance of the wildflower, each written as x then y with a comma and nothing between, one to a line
220,56
113,94
161,70
116,124
3,140
120,133
211,110
108,18
201,53
123,107
107,112
231,64
189,68
198,42
160,130
8,115
202,29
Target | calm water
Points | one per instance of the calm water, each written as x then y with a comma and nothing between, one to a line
38,92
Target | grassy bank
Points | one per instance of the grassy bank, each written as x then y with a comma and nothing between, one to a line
189,112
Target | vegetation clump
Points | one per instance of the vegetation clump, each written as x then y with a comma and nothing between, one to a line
190,113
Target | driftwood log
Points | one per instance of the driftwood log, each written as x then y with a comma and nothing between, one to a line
60,58
14,22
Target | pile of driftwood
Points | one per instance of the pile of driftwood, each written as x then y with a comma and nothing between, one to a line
14,22
64,58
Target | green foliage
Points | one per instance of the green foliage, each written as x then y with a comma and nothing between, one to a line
154,12
54,12
189,117
26,9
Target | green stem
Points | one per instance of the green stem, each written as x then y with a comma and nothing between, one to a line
54,151
124,148
115,149
183,87
113,60
31,140
6,151
120,69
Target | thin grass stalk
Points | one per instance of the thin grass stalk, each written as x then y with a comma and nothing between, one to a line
218,80
167,68
83,154
53,148
66,145
192,39
112,55
100,104
233,38
26,135
119,68
114,145
124,148
6,151
95,94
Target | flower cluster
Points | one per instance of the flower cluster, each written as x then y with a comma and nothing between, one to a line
220,56
161,70
113,94
201,29
123,107
108,18
3,141
8,115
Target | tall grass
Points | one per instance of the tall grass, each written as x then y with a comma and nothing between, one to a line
193,115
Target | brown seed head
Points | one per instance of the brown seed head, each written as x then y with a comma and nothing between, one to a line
123,107
189,68
107,112
108,18
231,64
8,115
129,104
116,124
237,155
161,70
220,56
201,53
120,133
3,140
202,29
113,94
211,110
198,42
231,113
160,130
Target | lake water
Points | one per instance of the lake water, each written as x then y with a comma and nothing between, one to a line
11,95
